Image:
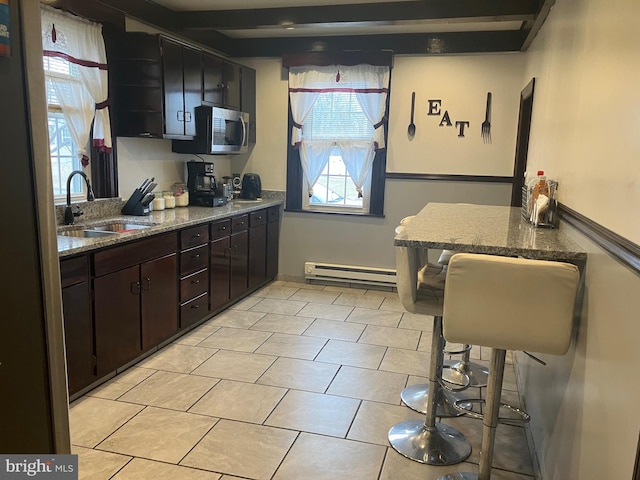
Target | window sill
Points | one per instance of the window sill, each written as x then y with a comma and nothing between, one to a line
318,212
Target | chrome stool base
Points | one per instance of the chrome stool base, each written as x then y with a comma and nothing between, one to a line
459,476
416,398
437,445
458,369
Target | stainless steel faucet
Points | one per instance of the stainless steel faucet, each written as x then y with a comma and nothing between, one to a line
69,214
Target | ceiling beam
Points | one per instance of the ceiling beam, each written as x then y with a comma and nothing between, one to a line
532,27
489,10
419,43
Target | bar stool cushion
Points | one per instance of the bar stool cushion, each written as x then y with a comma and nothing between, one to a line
510,303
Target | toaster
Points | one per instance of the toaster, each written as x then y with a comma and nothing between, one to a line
251,186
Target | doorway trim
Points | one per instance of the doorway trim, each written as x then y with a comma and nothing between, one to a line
522,142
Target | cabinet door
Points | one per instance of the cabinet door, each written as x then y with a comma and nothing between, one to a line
239,263
173,88
192,72
220,272
159,285
273,241
232,85
117,318
248,99
257,255
213,80
78,331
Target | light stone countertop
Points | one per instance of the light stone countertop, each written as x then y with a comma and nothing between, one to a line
160,221
489,229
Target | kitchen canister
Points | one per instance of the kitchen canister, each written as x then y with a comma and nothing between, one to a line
169,200
181,194
158,203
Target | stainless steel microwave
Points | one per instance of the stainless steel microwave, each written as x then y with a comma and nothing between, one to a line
218,131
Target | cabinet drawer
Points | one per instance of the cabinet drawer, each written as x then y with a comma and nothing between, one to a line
221,229
73,270
123,256
194,259
273,214
194,310
194,285
239,224
257,218
190,237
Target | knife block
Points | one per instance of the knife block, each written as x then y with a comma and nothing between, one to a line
134,205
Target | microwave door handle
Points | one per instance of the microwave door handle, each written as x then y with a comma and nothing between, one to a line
244,131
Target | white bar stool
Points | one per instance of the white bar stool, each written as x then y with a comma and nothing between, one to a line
507,304
426,442
431,278
460,370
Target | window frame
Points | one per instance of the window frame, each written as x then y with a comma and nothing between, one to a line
294,183
56,109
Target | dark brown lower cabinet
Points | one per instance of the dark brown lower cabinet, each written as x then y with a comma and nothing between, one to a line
135,299
219,271
257,248
159,300
239,262
78,323
117,318
273,242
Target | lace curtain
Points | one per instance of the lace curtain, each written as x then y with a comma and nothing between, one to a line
82,91
370,84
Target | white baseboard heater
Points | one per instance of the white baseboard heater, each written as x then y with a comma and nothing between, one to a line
329,272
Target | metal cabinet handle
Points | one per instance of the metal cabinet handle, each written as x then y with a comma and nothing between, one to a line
197,235
187,117
135,288
195,282
180,115
148,283
197,255
196,306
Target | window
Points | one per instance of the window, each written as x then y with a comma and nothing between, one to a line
336,116
74,61
336,160
62,149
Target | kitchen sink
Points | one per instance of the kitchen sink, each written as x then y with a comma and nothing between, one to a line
86,233
105,230
119,227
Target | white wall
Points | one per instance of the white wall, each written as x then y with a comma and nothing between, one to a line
585,133
461,82
585,127
140,158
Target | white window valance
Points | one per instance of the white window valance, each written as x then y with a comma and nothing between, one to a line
370,85
84,99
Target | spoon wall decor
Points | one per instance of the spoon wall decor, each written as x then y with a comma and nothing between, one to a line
412,126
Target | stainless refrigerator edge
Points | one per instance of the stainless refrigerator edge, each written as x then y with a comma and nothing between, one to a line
34,412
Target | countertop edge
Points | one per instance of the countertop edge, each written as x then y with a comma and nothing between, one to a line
163,222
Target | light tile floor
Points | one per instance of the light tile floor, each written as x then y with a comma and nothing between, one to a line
295,382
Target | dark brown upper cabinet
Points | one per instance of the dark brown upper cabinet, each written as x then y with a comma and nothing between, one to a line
221,82
158,85
182,74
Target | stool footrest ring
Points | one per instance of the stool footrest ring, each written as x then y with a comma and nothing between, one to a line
524,416
466,347
463,383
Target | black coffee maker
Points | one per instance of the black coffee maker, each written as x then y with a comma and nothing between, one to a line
201,184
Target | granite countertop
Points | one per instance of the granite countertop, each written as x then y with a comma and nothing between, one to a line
490,229
158,221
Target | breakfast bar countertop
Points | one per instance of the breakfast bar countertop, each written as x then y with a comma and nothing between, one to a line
489,229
